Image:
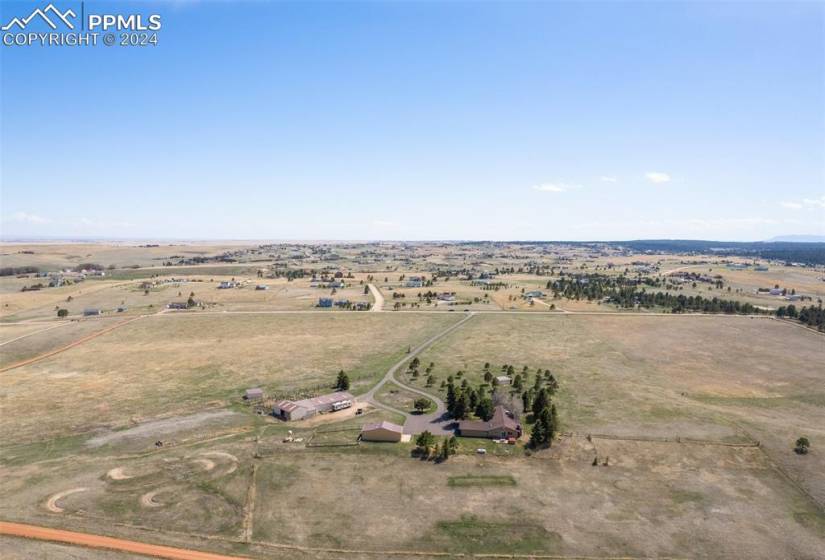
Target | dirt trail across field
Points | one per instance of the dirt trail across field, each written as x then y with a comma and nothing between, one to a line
108,543
62,324
435,421
379,299
71,344
51,503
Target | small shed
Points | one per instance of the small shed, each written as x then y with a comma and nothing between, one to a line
504,380
254,394
382,431
91,311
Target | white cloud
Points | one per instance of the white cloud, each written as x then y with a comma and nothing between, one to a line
608,179
814,202
657,177
555,187
27,218
804,203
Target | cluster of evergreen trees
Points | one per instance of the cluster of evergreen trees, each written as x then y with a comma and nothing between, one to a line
625,292
538,400
14,270
813,317
463,400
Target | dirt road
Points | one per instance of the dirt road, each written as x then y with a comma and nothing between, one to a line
109,543
379,299
435,422
71,345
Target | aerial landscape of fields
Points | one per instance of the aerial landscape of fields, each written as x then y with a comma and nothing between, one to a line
412,280
673,430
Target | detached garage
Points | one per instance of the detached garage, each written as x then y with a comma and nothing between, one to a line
382,431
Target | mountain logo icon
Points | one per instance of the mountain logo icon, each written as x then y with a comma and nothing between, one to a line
43,14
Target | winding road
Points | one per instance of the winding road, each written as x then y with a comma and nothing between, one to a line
436,422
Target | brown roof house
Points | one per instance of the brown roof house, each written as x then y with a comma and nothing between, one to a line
382,431
501,426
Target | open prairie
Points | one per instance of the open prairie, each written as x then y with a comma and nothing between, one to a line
655,499
179,363
731,379
58,256
132,423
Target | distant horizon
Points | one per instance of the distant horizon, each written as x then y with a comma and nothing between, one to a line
80,239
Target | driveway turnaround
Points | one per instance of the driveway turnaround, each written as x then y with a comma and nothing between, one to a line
436,422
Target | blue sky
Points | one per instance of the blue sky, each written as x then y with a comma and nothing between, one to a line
422,120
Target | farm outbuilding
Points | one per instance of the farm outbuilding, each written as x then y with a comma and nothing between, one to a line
254,394
382,431
306,408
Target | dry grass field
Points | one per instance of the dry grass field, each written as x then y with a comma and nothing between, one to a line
179,363
29,340
695,417
59,256
729,379
653,500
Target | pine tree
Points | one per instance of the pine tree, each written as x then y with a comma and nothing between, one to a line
484,409
525,401
461,406
540,402
342,383
537,436
451,397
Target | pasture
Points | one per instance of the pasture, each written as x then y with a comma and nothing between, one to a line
179,363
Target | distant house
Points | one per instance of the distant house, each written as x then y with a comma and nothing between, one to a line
91,312
504,379
306,408
533,294
325,302
226,285
336,284
502,425
793,297
255,394
415,282
382,431
761,268
446,296
776,292
177,305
